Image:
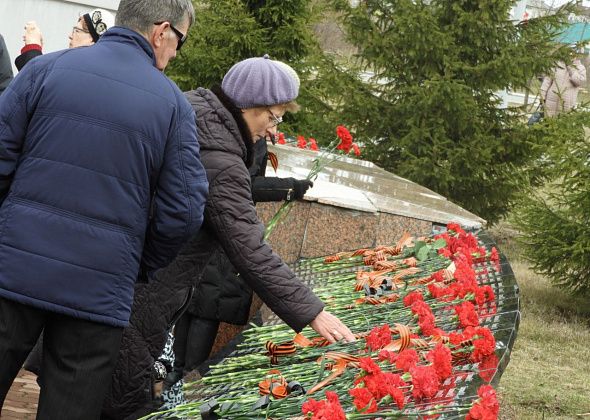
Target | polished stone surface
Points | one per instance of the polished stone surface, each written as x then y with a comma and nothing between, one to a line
360,185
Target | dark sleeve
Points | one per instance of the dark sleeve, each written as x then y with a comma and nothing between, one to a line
232,216
179,200
5,66
271,188
25,57
16,107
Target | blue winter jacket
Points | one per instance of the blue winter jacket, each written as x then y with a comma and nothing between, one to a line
99,174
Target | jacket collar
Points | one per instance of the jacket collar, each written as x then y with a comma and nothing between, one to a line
242,125
219,127
129,36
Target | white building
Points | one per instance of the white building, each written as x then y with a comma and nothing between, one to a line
55,18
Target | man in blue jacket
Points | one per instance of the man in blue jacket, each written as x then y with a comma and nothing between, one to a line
100,183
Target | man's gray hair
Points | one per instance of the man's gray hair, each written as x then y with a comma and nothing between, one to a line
140,15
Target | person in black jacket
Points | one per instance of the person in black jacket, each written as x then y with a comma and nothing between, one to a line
222,295
253,97
240,259
5,67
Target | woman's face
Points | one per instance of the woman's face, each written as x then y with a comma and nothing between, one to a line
263,122
80,37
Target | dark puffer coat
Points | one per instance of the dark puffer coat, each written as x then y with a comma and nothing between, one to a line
231,225
222,295
231,221
156,307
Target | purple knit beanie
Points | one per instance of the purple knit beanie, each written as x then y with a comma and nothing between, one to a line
259,81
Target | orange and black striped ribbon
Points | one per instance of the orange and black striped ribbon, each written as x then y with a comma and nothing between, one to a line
274,384
277,350
274,160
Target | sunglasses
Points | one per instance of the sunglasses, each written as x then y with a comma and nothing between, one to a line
181,37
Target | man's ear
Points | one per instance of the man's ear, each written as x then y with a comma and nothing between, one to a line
158,34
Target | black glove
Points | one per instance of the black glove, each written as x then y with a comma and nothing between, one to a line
300,186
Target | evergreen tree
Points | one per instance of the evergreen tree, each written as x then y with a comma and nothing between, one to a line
431,113
555,220
224,33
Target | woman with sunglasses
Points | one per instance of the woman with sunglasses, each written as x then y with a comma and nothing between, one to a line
86,32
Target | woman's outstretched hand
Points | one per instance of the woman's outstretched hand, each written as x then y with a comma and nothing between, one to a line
331,328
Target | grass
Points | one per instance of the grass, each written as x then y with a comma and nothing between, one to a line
548,376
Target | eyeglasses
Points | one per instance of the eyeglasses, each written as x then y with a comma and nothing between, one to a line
274,119
76,30
181,37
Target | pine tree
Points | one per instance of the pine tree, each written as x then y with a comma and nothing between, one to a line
224,33
431,113
555,219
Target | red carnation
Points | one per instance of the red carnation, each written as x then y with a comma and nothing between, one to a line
445,252
495,258
282,138
421,308
440,357
440,292
312,406
425,381
387,355
426,318
439,276
368,365
378,338
407,359
488,367
467,315
364,401
489,292
413,297
345,139
312,144
301,143
427,326
356,149
456,227
486,407
484,345
393,384
329,409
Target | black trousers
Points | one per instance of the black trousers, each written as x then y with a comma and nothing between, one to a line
78,359
193,340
